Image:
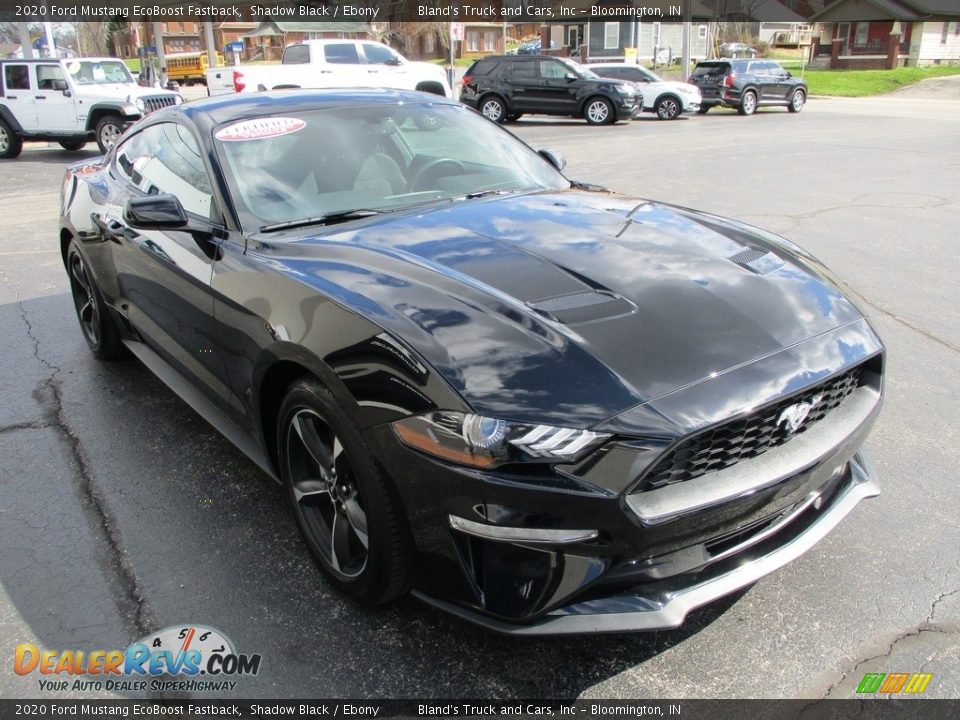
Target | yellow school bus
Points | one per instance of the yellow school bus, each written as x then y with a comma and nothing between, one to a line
189,67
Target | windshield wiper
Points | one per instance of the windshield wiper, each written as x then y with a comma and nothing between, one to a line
328,219
487,193
577,185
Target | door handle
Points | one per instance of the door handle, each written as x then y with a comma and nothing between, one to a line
114,229
11,97
39,97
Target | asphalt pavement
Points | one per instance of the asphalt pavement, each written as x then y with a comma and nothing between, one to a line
122,512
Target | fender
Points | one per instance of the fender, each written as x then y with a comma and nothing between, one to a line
9,119
128,111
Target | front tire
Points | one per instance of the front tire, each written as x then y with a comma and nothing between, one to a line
73,145
109,130
668,108
493,108
98,327
797,101
748,103
598,111
11,144
348,514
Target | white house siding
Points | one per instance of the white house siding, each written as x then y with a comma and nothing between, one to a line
671,37
931,49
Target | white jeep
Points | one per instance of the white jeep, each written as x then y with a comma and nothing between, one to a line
71,101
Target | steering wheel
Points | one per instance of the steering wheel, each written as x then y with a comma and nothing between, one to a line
424,172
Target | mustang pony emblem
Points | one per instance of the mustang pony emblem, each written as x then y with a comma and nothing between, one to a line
792,417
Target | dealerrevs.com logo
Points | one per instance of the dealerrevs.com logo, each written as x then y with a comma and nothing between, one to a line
184,658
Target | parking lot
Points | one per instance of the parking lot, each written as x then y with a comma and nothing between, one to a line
122,512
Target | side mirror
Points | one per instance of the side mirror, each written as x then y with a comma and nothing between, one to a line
62,86
569,77
155,212
788,74
395,60
553,157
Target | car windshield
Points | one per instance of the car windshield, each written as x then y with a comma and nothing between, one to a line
338,164
98,72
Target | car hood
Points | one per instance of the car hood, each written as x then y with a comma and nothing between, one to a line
120,91
575,305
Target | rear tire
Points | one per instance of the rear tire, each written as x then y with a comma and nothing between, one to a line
513,117
797,101
494,109
73,145
748,103
96,323
703,109
598,111
11,144
349,515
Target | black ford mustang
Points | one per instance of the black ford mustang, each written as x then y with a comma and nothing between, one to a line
537,404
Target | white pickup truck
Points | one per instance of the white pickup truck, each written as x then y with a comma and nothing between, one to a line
332,63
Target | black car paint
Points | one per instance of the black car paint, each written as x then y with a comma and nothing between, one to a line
548,96
414,311
775,88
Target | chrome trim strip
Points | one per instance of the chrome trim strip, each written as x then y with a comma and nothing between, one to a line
639,613
515,534
769,468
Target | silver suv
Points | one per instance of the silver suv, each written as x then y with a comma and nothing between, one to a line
71,101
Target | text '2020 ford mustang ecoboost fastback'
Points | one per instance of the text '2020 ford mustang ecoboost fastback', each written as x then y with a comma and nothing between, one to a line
537,404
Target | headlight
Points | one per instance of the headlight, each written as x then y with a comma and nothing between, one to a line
178,100
484,442
141,105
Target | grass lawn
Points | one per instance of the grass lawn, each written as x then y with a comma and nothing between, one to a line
857,83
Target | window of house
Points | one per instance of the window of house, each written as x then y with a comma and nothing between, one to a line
429,43
702,32
611,35
490,41
945,30
473,41
862,29
16,77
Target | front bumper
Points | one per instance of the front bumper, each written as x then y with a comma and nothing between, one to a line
629,612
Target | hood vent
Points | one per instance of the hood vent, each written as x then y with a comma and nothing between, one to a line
582,307
759,261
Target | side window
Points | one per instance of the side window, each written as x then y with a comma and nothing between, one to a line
16,77
522,71
552,70
296,55
47,75
378,54
341,54
165,158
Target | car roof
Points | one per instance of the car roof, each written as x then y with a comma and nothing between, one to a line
221,109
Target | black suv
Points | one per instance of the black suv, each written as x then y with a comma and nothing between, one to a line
747,84
504,87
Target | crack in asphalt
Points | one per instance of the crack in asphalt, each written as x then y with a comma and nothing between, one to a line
48,394
927,626
32,425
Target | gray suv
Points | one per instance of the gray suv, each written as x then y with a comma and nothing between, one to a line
746,84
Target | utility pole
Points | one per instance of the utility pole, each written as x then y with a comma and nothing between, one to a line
211,48
51,45
161,55
26,47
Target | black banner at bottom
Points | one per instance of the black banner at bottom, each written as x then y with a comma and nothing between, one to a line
875,707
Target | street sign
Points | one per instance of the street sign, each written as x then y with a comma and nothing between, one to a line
457,30
234,46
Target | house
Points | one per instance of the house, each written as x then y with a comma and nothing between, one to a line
602,40
889,33
267,41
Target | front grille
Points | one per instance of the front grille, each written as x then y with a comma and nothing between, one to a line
748,437
156,102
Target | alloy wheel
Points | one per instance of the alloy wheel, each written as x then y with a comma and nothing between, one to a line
109,134
748,103
83,299
4,140
493,110
326,493
598,111
667,109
